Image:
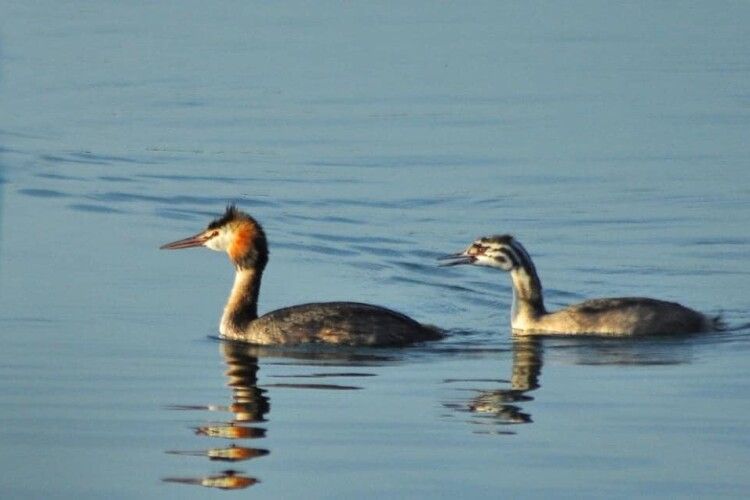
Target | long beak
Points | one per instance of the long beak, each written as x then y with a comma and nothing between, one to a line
193,241
456,259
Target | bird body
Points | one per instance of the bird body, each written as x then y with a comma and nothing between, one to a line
625,316
343,323
615,316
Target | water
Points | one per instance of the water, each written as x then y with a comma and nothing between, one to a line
370,139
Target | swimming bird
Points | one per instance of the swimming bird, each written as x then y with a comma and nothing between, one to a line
345,323
626,316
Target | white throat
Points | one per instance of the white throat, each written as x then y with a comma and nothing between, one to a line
220,242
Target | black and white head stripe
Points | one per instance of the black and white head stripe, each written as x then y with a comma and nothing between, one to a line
510,248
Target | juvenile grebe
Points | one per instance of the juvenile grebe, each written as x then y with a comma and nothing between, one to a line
627,316
347,323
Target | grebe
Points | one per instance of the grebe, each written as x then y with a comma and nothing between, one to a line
346,323
627,316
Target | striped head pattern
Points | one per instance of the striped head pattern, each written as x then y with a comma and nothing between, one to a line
499,251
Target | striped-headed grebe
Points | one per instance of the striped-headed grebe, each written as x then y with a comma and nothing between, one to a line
626,316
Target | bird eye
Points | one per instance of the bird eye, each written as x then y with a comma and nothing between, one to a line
215,233
476,249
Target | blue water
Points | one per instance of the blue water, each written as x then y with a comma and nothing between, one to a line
369,139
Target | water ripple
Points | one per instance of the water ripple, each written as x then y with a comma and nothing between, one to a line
43,193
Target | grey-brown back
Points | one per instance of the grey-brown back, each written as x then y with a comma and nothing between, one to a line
628,316
344,323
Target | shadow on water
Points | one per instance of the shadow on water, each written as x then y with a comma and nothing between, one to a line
250,405
649,351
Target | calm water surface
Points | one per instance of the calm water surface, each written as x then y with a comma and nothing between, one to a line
370,139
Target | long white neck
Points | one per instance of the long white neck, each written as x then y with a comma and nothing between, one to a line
242,306
528,302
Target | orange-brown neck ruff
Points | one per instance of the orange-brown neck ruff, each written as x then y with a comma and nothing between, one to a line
243,242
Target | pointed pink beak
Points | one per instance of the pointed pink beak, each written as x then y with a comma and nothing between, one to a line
193,241
456,259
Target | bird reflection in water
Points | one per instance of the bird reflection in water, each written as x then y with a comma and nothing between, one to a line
249,406
227,480
507,406
501,407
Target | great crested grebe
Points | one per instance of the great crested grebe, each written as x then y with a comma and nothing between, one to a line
627,316
346,323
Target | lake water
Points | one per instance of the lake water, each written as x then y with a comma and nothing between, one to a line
612,140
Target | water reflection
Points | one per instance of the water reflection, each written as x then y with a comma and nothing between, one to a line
496,408
227,480
233,453
249,406
500,404
501,407
666,350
